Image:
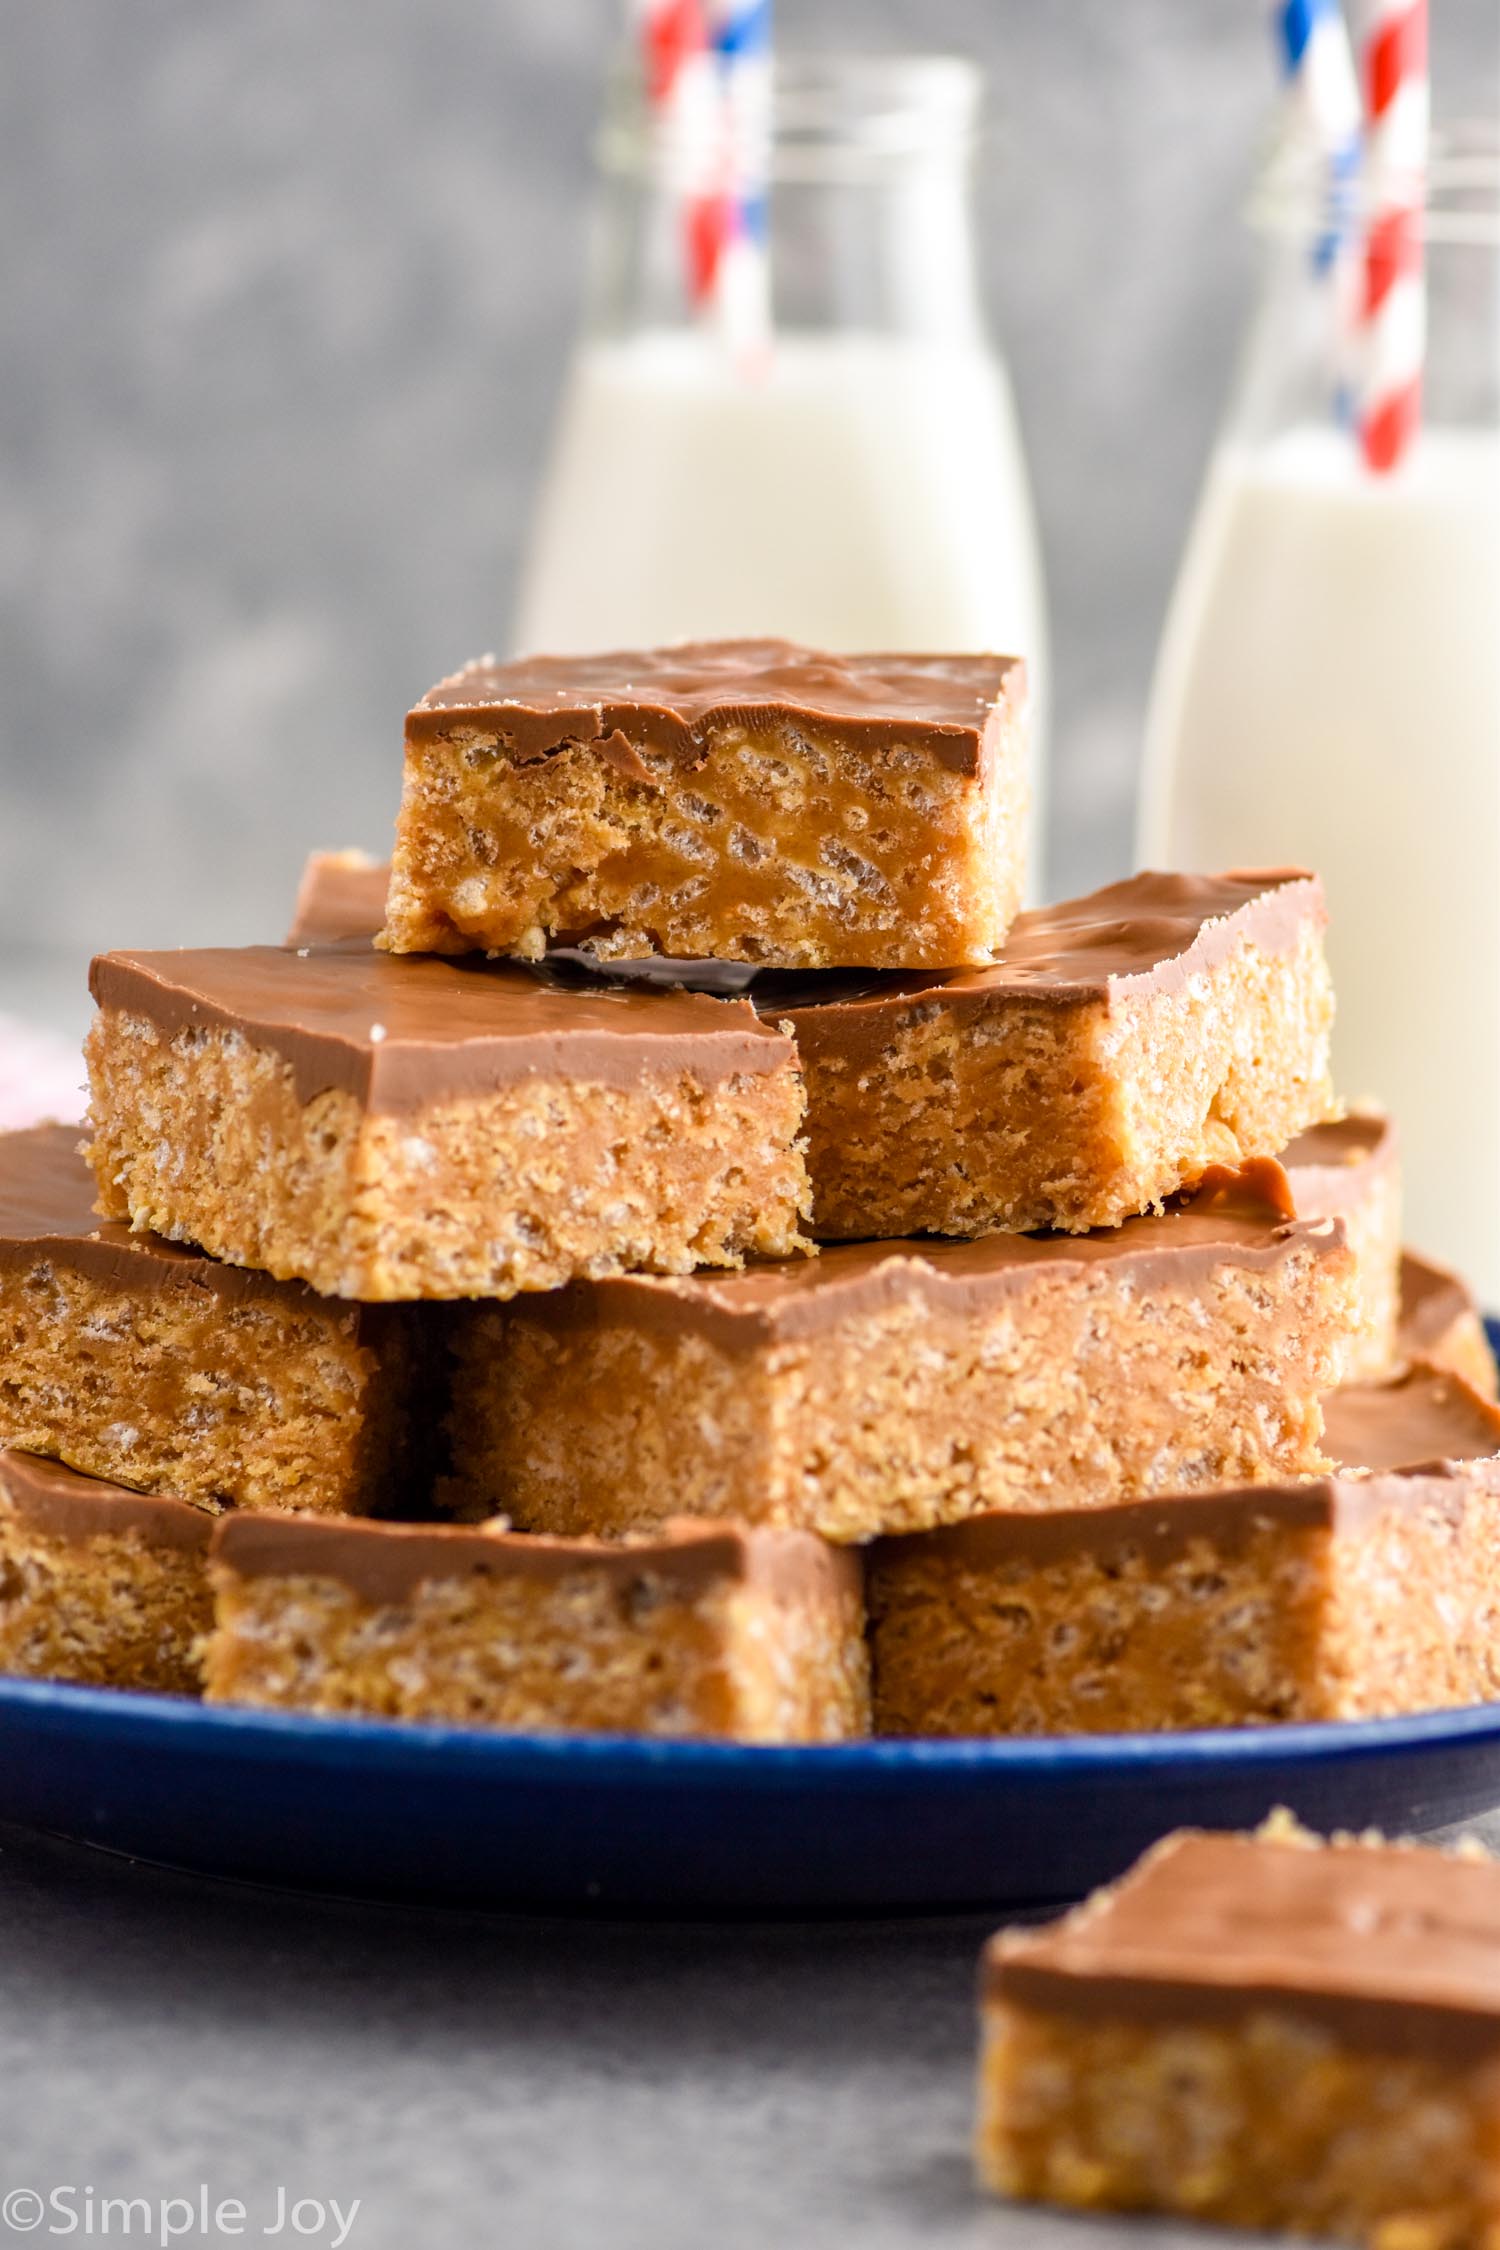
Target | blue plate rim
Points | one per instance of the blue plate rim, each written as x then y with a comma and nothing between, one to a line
310,1737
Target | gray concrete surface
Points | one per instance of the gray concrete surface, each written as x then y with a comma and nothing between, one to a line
475,2081
481,2080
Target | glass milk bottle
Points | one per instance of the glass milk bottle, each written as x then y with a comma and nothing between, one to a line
1328,689
858,481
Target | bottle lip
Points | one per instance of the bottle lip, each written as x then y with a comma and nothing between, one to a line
822,117
1297,195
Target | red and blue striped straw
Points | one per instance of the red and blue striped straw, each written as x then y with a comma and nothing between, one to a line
1393,306
707,63
1317,66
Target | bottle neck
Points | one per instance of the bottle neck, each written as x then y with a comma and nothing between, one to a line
863,207
1309,342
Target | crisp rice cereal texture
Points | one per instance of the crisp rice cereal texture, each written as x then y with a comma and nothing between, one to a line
262,1402
1277,1622
1081,1388
202,1137
786,844
584,1654
1074,1115
1270,2124
111,1611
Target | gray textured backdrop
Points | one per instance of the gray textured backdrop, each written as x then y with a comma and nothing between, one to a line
289,287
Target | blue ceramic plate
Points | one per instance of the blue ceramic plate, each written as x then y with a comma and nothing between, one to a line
464,1817
456,1815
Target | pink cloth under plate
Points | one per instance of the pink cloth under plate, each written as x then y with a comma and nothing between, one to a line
41,1077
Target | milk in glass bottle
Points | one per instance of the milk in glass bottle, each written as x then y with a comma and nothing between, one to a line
853,479
1328,689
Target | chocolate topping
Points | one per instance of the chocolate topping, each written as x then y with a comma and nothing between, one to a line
47,1213
61,1504
400,1034
1385,1944
670,700
341,896
1426,1415
1228,1519
1331,1165
385,1563
1235,1218
1432,1300
1154,931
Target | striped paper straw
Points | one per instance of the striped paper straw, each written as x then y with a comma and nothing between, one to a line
707,71
672,35
1393,309
677,68
1317,65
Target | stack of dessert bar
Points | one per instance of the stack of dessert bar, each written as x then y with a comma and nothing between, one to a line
680,1251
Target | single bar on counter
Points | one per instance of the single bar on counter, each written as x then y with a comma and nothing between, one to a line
340,899
1258,2031
891,1386
1120,1045
1350,1168
144,1361
703,1630
390,1129
98,1584
738,800
1440,1323
1349,1596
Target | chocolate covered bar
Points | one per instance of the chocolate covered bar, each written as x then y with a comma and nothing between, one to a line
1350,1168
340,899
891,1386
401,1129
1440,1323
1120,1045
742,800
1337,1597
99,1584
140,1360
702,1630
1261,2032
